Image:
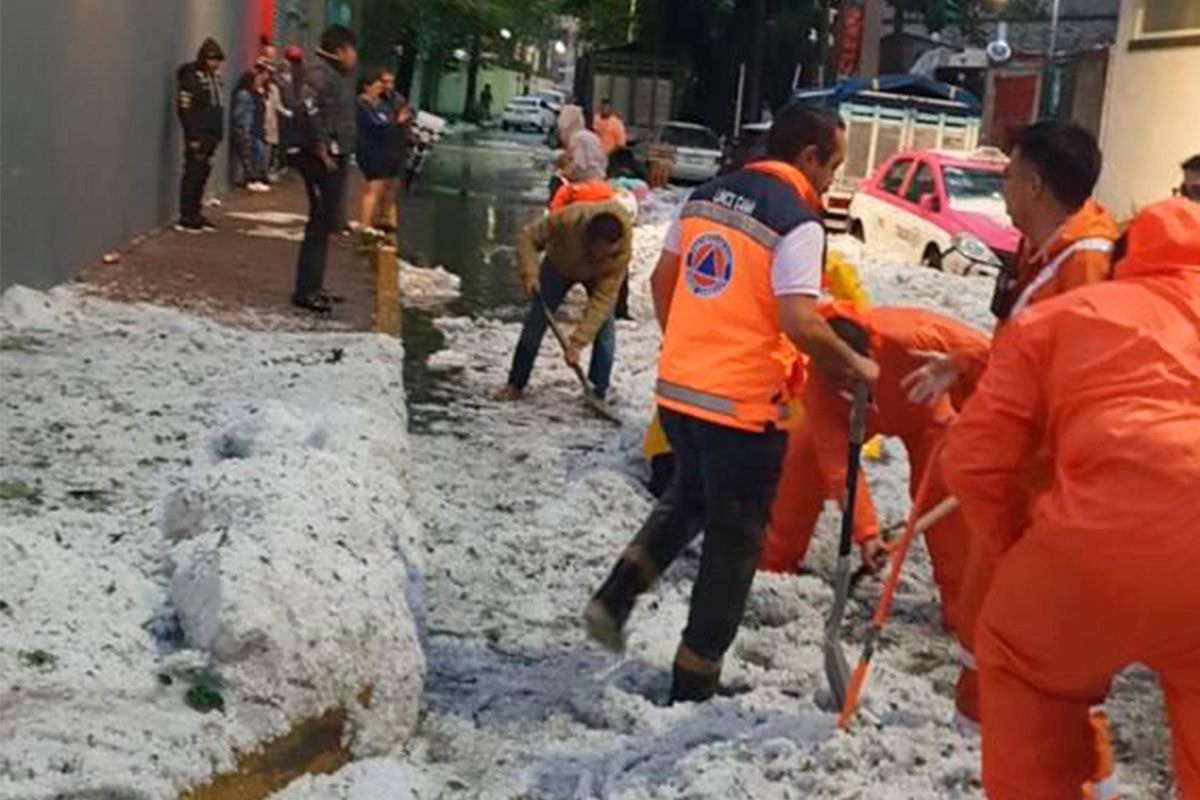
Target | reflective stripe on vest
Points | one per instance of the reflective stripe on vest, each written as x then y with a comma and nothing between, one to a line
1049,271
705,209
758,413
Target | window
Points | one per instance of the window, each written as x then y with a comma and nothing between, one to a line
893,179
969,188
921,184
1166,23
1169,16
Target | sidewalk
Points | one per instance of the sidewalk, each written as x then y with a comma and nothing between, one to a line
242,273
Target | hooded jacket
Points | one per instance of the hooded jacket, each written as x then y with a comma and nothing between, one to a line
198,98
1104,380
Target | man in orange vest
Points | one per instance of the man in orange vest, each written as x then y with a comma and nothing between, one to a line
1096,392
814,469
740,267
1068,237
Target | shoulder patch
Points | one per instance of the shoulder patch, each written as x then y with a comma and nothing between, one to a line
708,265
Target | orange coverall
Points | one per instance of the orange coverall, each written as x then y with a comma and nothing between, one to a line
814,468
1087,263
1103,570
1084,265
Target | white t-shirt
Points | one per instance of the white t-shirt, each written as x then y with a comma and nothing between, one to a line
797,264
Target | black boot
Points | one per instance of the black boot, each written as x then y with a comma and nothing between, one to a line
609,609
688,686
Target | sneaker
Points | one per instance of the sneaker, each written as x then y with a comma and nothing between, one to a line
510,394
189,226
207,223
258,186
329,297
313,302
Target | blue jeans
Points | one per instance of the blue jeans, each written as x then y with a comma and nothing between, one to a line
604,349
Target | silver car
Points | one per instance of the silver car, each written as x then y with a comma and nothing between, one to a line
698,150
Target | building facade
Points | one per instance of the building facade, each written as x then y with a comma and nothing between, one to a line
1151,119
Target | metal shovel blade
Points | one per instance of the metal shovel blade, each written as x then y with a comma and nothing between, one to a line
837,667
593,402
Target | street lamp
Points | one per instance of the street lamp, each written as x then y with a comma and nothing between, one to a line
505,33
460,54
560,47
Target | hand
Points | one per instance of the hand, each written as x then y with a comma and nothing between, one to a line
194,144
329,162
532,285
927,383
874,554
571,354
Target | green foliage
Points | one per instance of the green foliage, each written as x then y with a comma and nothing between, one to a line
39,659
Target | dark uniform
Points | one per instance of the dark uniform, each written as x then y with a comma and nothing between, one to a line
202,115
328,122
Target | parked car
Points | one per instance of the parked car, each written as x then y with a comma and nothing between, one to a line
525,111
554,100
698,150
943,210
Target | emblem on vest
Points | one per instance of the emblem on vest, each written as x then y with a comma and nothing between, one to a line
708,265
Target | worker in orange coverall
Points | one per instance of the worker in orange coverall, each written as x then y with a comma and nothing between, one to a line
1067,243
1098,393
815,464
1067,237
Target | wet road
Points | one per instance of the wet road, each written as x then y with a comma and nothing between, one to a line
463,214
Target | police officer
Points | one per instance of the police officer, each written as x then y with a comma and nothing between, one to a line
329,136
741,266
202,115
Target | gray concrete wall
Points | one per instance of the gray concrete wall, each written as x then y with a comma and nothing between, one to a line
89,141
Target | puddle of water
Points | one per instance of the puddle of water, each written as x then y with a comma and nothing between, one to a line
464,214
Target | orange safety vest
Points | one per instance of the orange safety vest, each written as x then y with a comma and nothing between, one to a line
723,357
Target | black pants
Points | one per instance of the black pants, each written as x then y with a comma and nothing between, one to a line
324,199
197,164
724,484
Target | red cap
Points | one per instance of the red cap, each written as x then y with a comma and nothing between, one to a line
293,53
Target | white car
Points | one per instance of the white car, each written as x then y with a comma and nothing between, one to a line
698,150
527,112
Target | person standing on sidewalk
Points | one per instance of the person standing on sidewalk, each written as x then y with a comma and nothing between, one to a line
202,115
736,285
249,129
330,134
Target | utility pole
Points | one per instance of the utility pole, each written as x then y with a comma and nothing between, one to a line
752,108
1049,74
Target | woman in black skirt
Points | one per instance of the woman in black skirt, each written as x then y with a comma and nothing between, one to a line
377,154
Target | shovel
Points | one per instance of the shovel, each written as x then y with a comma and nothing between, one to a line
589,394
837,668
916,527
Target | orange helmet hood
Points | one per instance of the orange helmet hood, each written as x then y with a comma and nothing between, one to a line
1164,237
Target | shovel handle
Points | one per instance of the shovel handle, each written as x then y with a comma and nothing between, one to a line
562,341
